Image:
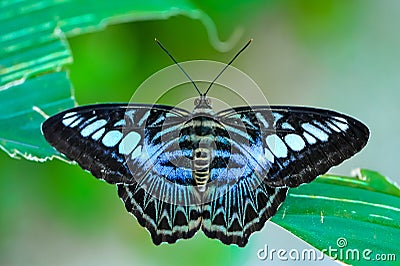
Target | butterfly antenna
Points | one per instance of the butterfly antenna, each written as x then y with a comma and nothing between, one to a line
227,65
176,62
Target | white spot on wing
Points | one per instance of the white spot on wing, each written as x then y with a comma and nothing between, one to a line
286,125
159,119
70,114
270,157
262,120
93,127
277,116
111,138
310,139
144,118
295,142
319,124
98,134
277,146
68,118
76,122
332,126
342,124
315,131
340,119
247,121
136,152
120,123
129,142
68,121
130,114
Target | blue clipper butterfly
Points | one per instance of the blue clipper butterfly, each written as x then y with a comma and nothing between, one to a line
226,172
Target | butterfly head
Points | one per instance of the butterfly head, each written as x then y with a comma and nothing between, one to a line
202,103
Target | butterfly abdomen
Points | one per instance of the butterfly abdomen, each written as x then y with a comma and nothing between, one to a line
201,132
201,167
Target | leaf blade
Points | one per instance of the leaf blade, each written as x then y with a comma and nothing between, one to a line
33,40
363,210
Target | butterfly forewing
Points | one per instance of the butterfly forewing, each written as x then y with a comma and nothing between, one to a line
300,143
109,139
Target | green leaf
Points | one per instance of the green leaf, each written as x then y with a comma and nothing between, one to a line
20,116
363,212
33,45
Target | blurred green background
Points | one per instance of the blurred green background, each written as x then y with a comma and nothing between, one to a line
336,54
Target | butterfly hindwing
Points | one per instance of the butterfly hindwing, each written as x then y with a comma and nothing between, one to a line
299,143
243,208
166,221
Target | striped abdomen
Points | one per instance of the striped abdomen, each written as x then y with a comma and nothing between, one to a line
201,167
200,135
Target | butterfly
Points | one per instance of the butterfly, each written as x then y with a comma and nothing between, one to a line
224,172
